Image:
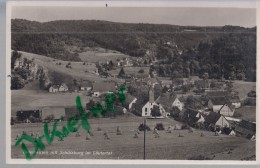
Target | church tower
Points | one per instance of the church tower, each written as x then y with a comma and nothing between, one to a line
151,94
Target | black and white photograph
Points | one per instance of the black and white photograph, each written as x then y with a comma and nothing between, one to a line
103,82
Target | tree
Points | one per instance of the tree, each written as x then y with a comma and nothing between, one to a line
192,102
155,111
15,55
17,82
121,74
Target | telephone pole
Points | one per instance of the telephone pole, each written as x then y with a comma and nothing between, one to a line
144,136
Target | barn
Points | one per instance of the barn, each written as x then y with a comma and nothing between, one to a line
24,115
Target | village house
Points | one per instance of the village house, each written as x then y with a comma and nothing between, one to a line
86,85
103,87
194,117
177,103
63,88
235,100
168,101
53,89
222,105
217,120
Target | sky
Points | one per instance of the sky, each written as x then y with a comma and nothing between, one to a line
245,17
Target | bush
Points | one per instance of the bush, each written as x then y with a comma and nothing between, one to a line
141,127
159,126
185,126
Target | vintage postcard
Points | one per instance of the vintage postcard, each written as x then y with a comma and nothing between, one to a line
131,83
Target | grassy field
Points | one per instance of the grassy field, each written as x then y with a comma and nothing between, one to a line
101,55
243,87
167,147
37,99
246,113
78,70
131,71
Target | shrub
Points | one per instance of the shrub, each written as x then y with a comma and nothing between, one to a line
159,126
141,127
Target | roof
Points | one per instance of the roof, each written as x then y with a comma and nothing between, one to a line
192,115
219,100
54,86
248,125
212,118
165,101
234,99
86,84
64,85
216,93
104,86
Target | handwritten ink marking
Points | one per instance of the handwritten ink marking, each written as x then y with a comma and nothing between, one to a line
72,122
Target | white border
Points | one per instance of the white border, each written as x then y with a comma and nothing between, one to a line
222,4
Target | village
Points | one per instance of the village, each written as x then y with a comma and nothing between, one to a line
204,104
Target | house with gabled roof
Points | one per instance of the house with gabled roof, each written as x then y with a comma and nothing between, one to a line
85,85
53,89
235,100
217,120
193,116
222,105
63,87
168,101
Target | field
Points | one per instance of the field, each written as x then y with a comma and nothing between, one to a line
78,70
246,113
132,71
167,147
243,87
37,99
101,55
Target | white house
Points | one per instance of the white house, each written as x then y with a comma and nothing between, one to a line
217,120
53,89
235,101
222,105
63,88
177,103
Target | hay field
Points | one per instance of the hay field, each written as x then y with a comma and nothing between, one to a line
167,147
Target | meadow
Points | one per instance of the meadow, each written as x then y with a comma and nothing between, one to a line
169,146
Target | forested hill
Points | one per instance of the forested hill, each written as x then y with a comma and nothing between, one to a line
185,46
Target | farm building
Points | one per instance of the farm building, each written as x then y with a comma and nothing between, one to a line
53,89
194,116
75,88
216,119
86,85
246,129
103,87
235,100
177,103
53,113
26,115
63,88
221,104
130,100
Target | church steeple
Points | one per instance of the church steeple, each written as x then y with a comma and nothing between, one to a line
151,94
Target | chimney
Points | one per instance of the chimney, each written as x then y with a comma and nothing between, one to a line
151,94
